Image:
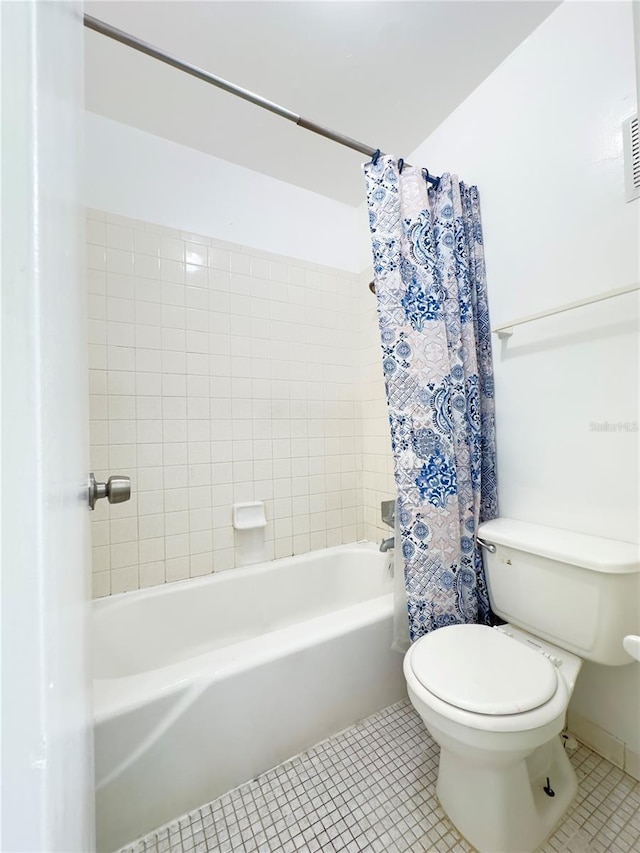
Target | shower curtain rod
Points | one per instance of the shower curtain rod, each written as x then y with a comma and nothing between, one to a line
143,47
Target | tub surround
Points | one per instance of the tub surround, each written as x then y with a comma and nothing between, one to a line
218,374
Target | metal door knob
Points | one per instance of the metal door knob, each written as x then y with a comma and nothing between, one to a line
116,490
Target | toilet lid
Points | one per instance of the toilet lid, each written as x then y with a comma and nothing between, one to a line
479,669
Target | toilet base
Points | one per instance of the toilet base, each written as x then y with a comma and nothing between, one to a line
503,808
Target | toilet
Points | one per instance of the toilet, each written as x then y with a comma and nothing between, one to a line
495,699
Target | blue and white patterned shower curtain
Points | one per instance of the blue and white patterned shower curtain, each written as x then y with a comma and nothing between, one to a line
436,352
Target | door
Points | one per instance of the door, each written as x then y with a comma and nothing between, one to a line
46,742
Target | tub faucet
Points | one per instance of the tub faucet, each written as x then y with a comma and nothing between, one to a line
387,544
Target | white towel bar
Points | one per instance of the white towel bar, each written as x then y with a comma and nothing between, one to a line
506,330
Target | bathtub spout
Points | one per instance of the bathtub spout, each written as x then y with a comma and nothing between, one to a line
387,544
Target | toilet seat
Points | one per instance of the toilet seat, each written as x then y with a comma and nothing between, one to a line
548,713
478,669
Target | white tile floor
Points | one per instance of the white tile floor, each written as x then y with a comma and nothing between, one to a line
372,787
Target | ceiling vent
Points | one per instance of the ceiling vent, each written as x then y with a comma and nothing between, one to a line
631,136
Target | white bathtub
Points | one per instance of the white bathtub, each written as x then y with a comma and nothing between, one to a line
201,685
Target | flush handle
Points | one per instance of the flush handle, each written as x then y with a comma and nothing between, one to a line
488,546
116,490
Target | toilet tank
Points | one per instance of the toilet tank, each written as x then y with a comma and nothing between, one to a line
580,592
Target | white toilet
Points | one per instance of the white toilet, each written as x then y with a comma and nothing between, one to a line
495,699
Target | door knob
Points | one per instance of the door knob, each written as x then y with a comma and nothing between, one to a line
116,490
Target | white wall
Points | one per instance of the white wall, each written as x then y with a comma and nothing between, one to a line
541,138
136,174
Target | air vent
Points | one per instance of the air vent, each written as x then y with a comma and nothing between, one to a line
631,136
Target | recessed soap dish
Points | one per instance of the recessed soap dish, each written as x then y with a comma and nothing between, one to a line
247,516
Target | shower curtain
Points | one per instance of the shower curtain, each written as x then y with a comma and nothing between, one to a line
436,355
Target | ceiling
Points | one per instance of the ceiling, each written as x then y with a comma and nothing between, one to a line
385,73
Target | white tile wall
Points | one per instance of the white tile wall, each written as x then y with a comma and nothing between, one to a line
222,374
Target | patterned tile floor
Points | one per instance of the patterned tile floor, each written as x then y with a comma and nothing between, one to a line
372,788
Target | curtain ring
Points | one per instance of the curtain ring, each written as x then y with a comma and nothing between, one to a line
376,157
425,174
400,165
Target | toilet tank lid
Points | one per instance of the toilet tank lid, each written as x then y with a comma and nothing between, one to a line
612,556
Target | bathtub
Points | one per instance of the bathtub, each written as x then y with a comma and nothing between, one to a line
203,684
